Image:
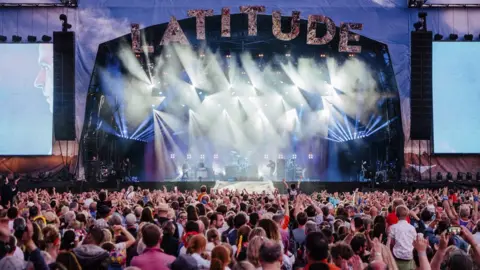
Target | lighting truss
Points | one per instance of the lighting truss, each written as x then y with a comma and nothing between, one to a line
60,3
425,4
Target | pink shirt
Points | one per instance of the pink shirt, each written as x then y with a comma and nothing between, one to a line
154,259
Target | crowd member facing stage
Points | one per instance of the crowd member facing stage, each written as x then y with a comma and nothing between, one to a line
222,230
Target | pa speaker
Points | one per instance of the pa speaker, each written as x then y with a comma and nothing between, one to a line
64,85
421,111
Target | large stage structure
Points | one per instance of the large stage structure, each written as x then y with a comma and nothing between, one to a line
241,108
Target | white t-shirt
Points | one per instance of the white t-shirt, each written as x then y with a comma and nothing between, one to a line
201,262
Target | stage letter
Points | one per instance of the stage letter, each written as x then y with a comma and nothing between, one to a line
277,26
200,15
346,36
225,22
252,12
312,38
174,33
136,40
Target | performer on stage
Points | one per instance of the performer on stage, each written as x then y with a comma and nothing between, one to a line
185,171
271,165
127,167
9,191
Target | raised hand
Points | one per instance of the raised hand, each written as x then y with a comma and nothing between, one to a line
420,244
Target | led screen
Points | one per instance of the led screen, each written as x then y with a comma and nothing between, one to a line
26,99
456,97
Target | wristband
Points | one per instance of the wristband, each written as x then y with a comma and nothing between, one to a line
475,198
422,254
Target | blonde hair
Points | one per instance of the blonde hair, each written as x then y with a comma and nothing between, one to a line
253,250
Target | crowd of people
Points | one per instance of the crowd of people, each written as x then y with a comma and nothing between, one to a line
222,229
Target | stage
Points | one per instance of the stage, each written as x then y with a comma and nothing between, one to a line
307,187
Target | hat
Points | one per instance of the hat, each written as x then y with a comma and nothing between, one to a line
184,262
162,207
12,263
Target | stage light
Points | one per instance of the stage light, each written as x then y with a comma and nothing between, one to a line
438,37
228,56
449,176
417,26
477,176
32,39
260,55
202,55
183,105
65,25
323,55
301,105
172,156
439,176
202,156
287,55
469,176
160,93
459,176
16,38
453,37
280,156
265,156
3,38
351,55
468,37
294,156
153,105
46,38
310,156
189,156
215,156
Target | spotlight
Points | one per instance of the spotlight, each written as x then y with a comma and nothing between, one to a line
449,176
189,156
3,38
280,156
16,38
422,15
294,156
477,176
439,176
46,38
265,156
65,25
202,156
310,156
459,176
417,26
323,55
215,156
469,176
32,39
438,37
172,156
468,37
453,37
